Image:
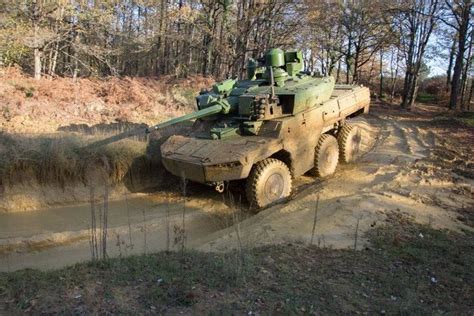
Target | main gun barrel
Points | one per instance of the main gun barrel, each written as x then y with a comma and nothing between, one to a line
211,110
214,109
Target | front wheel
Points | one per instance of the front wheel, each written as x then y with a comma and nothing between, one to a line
268,182
326,156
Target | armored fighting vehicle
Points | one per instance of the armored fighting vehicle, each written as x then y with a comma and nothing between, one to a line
279,123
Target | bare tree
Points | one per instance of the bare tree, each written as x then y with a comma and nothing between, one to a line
458,17
38,12
323,49
416,20
367,28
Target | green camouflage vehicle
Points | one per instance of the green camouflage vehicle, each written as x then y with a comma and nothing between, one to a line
279,123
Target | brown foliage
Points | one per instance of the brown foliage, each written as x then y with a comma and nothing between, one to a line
30,105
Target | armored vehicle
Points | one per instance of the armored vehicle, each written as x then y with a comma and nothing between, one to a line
279,123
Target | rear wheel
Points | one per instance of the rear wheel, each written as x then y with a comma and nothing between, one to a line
326,156
349,140
268,182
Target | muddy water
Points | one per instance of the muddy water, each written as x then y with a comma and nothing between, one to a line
57,237
75,218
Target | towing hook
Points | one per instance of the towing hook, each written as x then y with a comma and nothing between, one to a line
219,187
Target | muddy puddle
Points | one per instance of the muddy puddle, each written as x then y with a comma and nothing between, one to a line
76,217
52,238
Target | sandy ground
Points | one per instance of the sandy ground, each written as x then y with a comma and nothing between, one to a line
397,174
409,168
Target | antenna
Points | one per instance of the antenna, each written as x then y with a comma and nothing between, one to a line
272,82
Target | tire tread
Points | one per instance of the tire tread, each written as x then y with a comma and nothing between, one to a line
342,139
251,189
322,139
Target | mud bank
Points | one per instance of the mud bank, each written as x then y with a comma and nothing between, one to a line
48,170
36,197
44,125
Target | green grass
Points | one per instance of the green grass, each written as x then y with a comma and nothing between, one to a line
408,269
467,118
426,98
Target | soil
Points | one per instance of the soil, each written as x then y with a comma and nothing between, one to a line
417,163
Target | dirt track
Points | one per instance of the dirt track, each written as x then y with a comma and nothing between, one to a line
409,168
401,173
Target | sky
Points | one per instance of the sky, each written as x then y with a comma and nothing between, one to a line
438,64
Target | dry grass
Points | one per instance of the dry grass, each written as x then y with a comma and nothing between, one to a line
61,159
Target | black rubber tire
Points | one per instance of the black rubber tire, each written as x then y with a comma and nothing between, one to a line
268,182
326,156
349,140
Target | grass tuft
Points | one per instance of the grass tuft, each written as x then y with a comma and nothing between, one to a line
62,159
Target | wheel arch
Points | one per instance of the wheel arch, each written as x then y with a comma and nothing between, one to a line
286,157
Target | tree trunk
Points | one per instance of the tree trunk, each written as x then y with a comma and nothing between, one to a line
54,61
37,57
355,71
338,73
406,89
470,95
381,75
466,70
456,83
37,52
394,74
348,61
452,53
409,74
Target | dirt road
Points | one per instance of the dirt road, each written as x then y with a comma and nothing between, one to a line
410,168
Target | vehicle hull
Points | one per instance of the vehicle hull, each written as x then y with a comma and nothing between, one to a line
291,139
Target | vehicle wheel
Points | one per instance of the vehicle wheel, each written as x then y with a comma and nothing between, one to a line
326,156
268,182
349,139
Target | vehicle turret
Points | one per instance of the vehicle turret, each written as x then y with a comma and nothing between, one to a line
276,87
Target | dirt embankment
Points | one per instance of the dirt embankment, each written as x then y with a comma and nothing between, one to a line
46,124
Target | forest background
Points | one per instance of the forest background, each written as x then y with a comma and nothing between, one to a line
405,50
